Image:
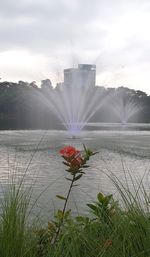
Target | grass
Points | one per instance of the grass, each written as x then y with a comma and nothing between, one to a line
17,239
110,229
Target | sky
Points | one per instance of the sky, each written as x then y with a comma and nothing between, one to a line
39,38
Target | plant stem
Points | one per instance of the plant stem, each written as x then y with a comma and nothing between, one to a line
64,209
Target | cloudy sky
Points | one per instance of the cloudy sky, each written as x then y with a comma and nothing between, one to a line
39,38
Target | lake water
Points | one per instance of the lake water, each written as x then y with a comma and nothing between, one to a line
36,154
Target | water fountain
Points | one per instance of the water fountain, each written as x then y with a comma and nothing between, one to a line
125,108
74,106
77,99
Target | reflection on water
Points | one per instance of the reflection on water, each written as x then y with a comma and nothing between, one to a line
36,154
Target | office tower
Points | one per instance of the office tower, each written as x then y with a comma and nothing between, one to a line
83,76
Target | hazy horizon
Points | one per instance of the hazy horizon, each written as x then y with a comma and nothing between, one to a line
41,38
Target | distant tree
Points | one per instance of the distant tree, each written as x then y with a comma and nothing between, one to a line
46,85
33,84
22,83
25,105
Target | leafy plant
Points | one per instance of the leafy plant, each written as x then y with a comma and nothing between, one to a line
75,162
104,208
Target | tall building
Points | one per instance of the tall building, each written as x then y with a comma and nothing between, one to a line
84,76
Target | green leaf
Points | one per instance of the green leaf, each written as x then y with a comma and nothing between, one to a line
67,213
66,163
84,147
89,152
95,153
108,198
78,177
101,197
80,171
93,207
85,166
59,214
69,179
61,197
69,170
82,219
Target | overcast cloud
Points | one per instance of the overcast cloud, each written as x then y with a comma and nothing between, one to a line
39,38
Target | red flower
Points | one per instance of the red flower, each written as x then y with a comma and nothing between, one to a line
76,162
69,152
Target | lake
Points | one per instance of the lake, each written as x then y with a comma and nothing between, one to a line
36,154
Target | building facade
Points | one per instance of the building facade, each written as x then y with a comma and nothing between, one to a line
83,76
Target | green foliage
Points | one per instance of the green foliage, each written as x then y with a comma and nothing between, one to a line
112,231
61,215
78,177
109,230
87,154
16,239
76,163
104,208
23,105
61,197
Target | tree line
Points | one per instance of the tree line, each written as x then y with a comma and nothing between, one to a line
24,105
